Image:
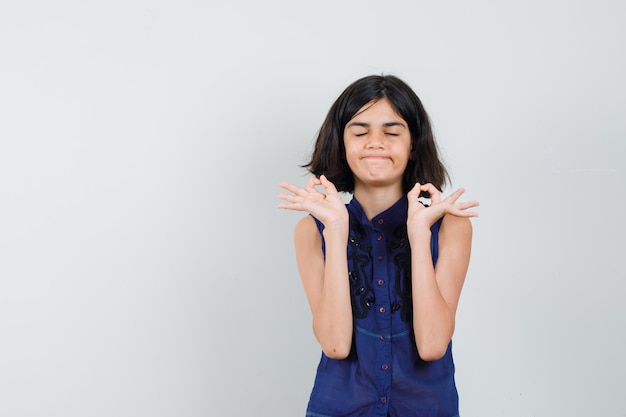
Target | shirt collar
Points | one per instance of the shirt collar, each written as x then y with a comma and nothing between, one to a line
387,219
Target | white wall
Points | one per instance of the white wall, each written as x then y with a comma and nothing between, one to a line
145,269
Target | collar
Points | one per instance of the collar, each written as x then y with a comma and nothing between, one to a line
388,219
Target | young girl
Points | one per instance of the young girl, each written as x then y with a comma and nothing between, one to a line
382,274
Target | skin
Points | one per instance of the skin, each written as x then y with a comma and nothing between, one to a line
378,148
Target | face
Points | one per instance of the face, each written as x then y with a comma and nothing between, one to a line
378,145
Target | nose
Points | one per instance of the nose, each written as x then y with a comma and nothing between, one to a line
376,140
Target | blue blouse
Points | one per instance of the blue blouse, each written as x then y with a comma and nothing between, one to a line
383,375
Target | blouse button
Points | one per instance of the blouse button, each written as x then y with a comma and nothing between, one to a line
380,258
384,367
381,281
382,309
383,337
381,221
383,400
380,237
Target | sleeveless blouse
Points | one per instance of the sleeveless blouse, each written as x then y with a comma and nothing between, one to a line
383,375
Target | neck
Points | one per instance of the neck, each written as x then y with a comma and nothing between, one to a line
375,200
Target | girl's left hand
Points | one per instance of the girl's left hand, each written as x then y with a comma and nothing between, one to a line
421,216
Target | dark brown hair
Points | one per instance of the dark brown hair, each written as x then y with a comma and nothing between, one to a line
329,155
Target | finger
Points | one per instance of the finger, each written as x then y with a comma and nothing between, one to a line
462,213
290,187
466,205
461,209
310,184
328,186
294,207
288,197
415,191
435,194
290,202
455,195
314,181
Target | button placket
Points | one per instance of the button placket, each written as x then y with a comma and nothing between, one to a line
380,255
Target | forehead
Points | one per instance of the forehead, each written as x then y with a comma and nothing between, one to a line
378,110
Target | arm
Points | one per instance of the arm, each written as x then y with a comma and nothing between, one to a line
325,281
326,285
436,291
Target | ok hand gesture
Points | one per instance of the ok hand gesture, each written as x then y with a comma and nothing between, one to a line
329,208
420,216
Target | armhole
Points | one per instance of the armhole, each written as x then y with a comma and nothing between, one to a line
434,240
320,228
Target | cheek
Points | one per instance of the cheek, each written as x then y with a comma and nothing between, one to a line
350,152
409,150
350,158
404,150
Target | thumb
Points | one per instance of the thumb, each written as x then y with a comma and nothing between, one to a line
416,190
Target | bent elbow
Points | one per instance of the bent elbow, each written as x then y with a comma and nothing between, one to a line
337,352
334,344
430,353
431,356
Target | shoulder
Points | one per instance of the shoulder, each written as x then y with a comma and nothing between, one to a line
456,224
306,227
309,250
455,230
306,233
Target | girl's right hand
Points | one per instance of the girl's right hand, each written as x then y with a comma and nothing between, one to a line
328,208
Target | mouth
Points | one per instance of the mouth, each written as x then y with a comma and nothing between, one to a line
375,157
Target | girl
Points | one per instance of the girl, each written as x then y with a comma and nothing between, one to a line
383,310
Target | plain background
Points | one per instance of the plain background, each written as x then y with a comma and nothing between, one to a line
146,271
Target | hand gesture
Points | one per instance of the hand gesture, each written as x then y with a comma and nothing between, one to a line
329,208
421,216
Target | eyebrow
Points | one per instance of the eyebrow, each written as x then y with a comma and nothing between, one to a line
387,124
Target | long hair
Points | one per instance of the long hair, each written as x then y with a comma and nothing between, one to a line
329,155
